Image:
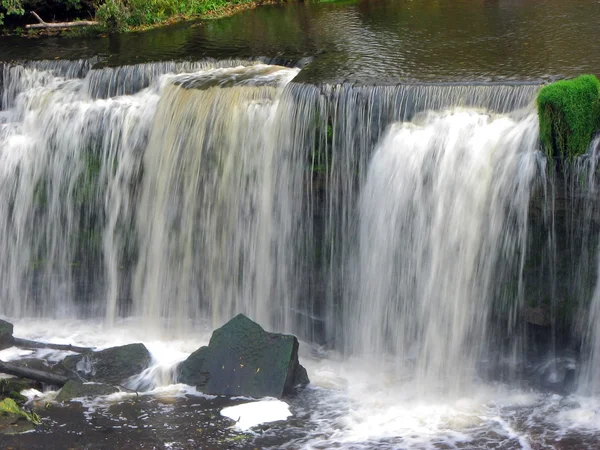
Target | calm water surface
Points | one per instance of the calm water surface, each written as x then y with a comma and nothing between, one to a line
371,41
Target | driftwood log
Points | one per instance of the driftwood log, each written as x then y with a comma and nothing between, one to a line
32,374
42,24
26,343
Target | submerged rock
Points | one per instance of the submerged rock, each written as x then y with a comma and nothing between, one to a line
74,389
111,366
6,334
538,316
244,359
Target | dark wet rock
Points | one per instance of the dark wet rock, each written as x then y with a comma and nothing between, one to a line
538,316
558,374
74,389
111,366
243,359
6,334
300,376
32,363
11,388
13,424
14,420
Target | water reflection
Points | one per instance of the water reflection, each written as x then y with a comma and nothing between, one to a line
370,40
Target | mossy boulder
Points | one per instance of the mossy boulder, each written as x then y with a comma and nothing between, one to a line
75,389
14,420
11,388
243,359
6,334
111,366
569,113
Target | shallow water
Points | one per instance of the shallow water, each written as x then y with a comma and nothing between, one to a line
350,404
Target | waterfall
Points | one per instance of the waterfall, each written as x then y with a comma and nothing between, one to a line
379,220
164,190
589,382
215,214
443,218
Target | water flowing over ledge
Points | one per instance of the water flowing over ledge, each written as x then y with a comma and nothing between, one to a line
414,228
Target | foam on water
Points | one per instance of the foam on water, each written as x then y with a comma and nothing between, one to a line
249,415
350,404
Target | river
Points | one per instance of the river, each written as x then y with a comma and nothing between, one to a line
365,175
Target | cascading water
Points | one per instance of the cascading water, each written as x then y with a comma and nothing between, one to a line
391,223
171,177
443,217
212,204
589,382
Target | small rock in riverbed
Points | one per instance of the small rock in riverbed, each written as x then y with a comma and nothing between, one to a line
74,389
111,366
12,387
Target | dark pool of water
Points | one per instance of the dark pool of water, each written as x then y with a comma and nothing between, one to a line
371,41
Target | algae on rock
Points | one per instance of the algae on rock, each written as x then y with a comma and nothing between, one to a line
569,113
8,407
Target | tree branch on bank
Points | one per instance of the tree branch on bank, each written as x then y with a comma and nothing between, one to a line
42,24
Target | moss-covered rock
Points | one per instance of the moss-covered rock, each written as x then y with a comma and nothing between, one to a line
74,389
11,387
15,420
569,113
111,366
6,334
244,359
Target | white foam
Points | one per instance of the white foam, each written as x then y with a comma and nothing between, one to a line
14,353
249,415
166,352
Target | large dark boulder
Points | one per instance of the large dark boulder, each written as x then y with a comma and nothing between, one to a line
244,359
111,366
74,389
6,334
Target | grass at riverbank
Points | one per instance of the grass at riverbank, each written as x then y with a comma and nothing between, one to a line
115,16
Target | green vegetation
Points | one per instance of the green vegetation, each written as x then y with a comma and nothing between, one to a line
119,15
569,113
125,15
122,15
10,408
11,9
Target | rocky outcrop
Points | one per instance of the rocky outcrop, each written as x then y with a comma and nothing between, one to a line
74,389
6,334
244,359
111,366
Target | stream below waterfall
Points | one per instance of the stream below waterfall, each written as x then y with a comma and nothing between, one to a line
367,176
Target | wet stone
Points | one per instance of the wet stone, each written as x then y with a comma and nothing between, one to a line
243,359
74,389
6,334
111,366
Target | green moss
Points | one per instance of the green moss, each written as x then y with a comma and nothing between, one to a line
8,407
569,113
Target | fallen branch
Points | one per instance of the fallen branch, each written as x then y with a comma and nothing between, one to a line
26,343
42,24
32,374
